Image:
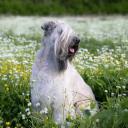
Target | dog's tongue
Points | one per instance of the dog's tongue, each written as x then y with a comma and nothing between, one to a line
72,50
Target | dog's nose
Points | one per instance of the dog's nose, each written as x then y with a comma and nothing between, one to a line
76,40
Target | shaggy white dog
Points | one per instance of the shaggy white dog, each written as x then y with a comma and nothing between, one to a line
55,84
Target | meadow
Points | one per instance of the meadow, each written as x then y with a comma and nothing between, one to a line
102,60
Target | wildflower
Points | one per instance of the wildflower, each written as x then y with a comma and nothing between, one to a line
23,116
44,111
28,93
118,87
8,123
90,58
29,104
7,89
28,113
125,110
117,62
56,123
119,95
106,65
4,78
27,99
23,94
5,85
27,109
123,87
124,94
106,91
97,120
123,55
112,94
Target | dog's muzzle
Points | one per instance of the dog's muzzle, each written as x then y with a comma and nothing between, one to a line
72,49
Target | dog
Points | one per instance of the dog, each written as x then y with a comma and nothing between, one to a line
55,84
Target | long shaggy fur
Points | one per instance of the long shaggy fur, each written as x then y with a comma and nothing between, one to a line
55,84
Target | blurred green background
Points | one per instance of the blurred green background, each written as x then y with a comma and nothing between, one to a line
63,7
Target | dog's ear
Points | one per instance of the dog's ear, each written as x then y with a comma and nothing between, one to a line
48,27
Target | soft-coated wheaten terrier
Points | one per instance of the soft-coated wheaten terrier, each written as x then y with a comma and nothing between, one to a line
55,84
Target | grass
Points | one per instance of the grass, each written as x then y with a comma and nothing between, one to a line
59,7
102,63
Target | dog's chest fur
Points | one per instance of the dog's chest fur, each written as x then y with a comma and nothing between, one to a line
52,88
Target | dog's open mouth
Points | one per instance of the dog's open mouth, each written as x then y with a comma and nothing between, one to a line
72,49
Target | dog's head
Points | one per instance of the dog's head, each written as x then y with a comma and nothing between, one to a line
62,39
